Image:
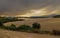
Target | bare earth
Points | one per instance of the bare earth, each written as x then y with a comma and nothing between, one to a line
14,34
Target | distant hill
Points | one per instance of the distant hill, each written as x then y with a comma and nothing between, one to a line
57,16
46,16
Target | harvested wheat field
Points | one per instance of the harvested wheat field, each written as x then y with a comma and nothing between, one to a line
14,34
46,23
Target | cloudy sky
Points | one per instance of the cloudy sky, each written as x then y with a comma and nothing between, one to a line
29,7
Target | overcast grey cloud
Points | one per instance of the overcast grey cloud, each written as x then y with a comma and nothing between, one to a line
15,6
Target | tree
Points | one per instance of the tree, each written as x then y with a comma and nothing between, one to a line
36,26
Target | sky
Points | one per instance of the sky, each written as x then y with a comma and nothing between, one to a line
29,7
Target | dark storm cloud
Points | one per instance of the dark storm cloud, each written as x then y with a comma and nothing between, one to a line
13,6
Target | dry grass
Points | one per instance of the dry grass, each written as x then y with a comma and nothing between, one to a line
46,23
14,34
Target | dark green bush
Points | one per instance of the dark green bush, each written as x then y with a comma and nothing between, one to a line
12,27
1,24
56,32
36,26
24,28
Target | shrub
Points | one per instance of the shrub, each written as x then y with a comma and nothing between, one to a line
36,26
24,28
56,32
12,27
1,24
